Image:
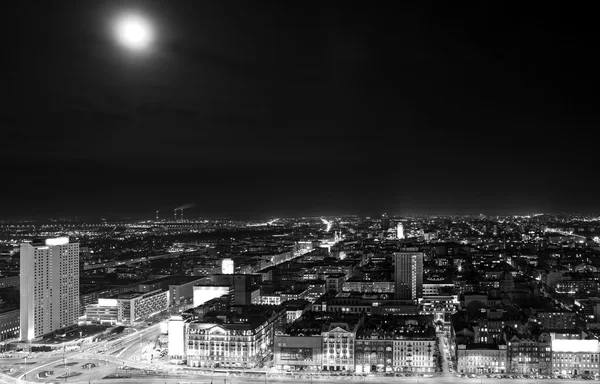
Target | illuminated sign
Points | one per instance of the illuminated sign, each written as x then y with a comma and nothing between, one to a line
57,241
586,346
202,294
108,302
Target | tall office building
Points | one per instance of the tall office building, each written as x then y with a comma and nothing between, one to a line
49,286
408,274
400,231
385,222
241,290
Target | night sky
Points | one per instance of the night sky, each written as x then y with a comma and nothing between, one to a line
257,109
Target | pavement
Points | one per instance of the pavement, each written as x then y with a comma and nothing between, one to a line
205,379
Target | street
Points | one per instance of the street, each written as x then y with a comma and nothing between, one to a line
444,354
91,366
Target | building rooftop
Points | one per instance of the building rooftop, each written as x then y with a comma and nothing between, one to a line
492,346
314,323
396,327
155,281
178,280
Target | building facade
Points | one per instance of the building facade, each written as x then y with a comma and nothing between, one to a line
575,357
374,354
182,293
369,286
557,320
127,308
49,286
235,343
408,275
335,282
106,311
414,354
298,352
138,306
481,358
9,324
10,281
338,347
318,342
529,354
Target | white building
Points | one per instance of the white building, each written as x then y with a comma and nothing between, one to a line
338,347
575,357
227,267
136,306
176,330
49,286
399,231
128,308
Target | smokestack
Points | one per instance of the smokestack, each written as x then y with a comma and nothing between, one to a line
157,215
181,214
175,214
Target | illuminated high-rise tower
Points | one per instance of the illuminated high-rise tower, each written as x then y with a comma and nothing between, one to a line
399,231
49,286
408,275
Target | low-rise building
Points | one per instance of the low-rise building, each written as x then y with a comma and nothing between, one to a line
318,341
528,354
338,346
93,297
575,357
206,291
414,347
9,323
316,289
389,343
140,306
482,358
12,280
441,308
437,285
299,352
335,282
348,302
127,308
226,340
181,290
556,319
369,286
106,311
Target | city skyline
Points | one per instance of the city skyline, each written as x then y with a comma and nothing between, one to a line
263,191
442,299
267,109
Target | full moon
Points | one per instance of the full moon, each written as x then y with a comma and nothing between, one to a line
133,32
